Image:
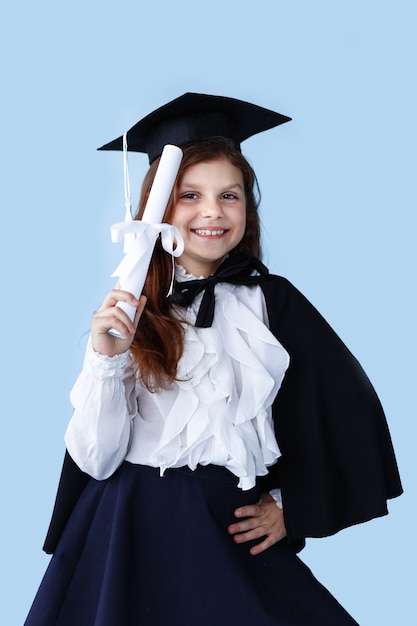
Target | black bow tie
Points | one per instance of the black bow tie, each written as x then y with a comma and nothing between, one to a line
236,269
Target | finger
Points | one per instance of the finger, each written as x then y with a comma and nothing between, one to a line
113,318
244,525
252,510
250,535
263,545
269,537
118,295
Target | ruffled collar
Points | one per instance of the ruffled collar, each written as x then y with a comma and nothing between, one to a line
182,275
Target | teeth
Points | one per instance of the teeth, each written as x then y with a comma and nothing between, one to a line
206,231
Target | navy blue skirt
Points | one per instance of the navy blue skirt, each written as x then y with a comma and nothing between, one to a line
145,550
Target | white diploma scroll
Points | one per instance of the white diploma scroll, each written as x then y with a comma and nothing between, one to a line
142,234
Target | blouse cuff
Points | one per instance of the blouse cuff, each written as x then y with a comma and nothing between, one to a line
276,494
104,366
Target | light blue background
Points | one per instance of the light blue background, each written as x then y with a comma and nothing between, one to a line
338,210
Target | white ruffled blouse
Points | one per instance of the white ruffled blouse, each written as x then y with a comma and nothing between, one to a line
219,411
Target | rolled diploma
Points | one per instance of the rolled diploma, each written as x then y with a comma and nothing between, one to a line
142,245
162,185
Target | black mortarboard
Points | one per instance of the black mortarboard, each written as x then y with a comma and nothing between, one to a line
195,117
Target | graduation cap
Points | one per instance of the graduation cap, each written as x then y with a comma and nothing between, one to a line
195,117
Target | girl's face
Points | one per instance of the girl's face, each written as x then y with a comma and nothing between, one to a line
210,213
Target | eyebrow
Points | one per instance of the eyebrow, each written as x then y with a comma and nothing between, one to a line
195,186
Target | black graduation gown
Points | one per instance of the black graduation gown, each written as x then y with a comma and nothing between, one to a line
338,466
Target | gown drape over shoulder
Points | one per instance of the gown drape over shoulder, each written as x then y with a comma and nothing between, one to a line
338,466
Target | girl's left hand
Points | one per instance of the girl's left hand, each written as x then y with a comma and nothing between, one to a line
264,519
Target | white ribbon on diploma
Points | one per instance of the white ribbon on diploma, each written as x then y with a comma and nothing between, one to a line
133,268
140,235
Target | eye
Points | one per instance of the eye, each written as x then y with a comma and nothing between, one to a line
229,196
189,195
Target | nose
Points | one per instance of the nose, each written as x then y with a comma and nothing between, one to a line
211,208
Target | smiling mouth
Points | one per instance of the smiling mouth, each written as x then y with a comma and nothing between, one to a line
209,232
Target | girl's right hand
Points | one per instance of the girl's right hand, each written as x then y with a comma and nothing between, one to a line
111,316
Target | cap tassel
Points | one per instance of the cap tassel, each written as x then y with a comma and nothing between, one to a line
128,237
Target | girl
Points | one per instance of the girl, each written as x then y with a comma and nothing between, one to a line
226,425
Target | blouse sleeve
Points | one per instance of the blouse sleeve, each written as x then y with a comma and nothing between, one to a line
104,402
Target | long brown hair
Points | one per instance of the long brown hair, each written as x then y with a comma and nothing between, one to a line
159,339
